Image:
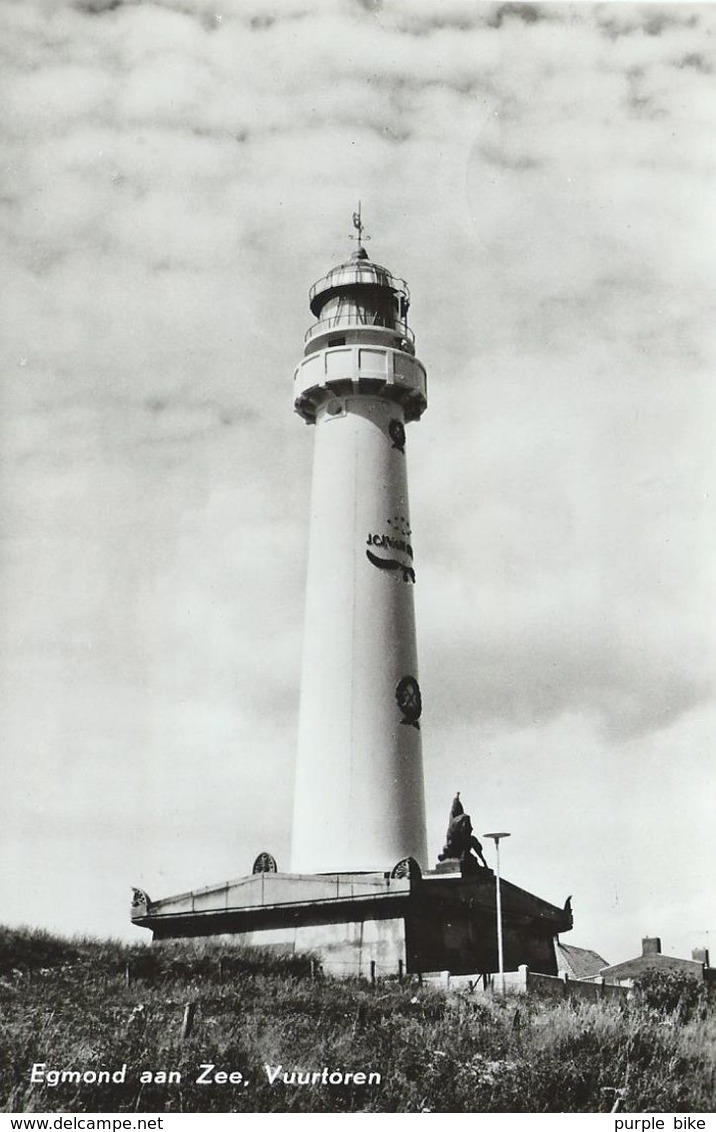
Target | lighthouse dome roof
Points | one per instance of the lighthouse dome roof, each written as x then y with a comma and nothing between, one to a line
358,271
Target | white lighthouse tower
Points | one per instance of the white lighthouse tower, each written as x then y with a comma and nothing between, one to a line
359,893
359,795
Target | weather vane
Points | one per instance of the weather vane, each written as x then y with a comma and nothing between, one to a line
358,225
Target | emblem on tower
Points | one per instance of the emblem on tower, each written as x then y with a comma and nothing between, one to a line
409,700
396,432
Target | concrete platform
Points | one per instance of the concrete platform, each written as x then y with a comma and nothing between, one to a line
364,923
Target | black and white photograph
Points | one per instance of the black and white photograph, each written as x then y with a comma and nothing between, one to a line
358,558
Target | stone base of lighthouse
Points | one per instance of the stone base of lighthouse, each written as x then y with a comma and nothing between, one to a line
369,924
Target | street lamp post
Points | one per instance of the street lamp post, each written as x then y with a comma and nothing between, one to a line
496,837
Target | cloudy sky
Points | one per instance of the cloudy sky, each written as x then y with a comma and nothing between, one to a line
175,175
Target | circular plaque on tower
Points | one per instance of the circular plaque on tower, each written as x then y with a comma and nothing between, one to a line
409,700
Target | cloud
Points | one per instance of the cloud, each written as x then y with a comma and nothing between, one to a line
651,21
698,61
97,7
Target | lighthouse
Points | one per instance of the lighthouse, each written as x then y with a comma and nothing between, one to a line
359,892
359,794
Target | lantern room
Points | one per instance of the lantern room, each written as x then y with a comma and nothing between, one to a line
359,296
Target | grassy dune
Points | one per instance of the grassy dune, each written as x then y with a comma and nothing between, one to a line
66,1004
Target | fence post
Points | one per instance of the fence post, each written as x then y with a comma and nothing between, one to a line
127,974
188,1020
523,971
400,969
372,970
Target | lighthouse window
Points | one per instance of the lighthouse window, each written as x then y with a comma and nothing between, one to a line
372,309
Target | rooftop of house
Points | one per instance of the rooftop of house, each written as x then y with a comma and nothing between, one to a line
652,958
578,962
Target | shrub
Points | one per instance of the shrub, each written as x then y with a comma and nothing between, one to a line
25,949
671,992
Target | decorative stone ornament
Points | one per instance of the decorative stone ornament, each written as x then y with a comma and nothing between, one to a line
265,863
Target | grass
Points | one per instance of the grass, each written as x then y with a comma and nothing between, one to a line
66,1003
